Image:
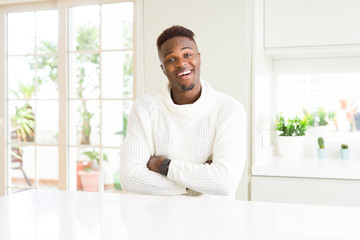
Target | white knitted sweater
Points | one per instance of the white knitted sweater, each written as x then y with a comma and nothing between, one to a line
214,127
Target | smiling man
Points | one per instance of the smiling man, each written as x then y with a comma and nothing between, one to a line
187,139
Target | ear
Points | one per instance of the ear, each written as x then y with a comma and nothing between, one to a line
162,68
199,59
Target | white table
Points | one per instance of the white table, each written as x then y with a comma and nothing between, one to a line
47,215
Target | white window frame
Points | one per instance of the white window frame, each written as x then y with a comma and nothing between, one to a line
62,7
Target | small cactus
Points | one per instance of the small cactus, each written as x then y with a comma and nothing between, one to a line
344,146
321,142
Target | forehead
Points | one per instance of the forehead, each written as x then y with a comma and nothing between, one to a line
176,44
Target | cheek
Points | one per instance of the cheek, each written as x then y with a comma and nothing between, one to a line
168,70
196,62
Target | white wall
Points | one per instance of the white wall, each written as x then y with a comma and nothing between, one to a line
221,29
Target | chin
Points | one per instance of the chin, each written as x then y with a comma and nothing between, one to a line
188,88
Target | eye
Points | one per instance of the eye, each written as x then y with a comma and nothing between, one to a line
187,55
170,60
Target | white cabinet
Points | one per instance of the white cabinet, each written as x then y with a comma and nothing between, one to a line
309,23
306,190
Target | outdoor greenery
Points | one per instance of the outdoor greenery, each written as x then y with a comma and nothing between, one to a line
87,38
318,117
125,123
24,118
290,126
23,121
94,158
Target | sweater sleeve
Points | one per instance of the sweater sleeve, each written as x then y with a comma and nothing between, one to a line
229,153
135,152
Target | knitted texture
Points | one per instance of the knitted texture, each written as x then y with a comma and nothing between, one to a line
214,127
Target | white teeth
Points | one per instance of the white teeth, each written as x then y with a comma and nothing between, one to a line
184,73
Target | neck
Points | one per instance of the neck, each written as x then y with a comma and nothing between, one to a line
186,97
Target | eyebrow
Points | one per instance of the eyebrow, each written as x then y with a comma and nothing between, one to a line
173,51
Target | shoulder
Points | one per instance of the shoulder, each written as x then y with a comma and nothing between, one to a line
147,102
229,107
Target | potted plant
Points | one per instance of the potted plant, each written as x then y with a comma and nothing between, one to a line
344,151
321,152
23,125
291,135
344,154
89,176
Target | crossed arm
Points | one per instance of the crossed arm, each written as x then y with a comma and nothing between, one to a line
139,168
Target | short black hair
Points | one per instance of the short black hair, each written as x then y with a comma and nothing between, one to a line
174,31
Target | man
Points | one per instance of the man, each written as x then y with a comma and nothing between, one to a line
187,139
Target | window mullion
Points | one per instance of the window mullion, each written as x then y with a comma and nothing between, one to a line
36,177
101,177
63,97
3,111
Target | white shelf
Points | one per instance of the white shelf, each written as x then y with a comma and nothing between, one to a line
307,168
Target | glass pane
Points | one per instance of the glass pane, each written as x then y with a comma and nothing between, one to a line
121,16
335,94
87,168
22,165
21,33
84,75
46,31
84,122
47,122
47,75
114,122
117,78
48,166
21,121
84,27
111,170
21,75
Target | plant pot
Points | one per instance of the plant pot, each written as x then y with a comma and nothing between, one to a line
80,165
322,153
322,161
291,146
90,180
344,153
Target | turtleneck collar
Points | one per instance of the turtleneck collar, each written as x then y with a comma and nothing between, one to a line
188,110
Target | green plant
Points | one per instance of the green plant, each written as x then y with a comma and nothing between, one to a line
26,90
94,156
23,122
87,38
321,142
309,118
291,126
318,117
344,146
125,123
321,114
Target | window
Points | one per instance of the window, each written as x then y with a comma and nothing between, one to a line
33,98
98,84
100,89
324,93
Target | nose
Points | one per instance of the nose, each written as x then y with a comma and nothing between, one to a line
181,62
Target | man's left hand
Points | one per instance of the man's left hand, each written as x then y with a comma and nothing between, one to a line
154,163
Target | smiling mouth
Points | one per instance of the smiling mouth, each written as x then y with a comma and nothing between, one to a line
184,73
